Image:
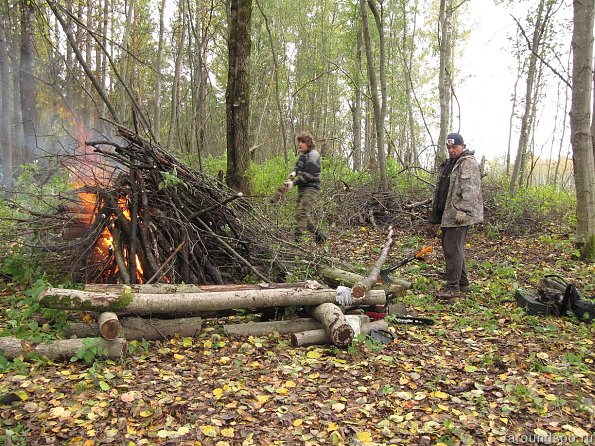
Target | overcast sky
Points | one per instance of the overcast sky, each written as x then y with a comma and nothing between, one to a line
489,69
485,95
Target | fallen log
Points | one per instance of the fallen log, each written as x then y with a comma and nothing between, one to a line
321,337
281,327
340,332
176,303
61,349
109,325
137,328
360,289
167,288
336,277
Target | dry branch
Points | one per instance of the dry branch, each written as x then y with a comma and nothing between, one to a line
360,289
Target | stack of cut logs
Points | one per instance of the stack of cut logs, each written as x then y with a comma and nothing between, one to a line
128,312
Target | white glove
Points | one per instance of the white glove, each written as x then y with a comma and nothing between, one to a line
344,296
289,184
460,217
292,175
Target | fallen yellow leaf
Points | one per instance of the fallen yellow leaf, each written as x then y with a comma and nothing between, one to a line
228,432
363,436
209,430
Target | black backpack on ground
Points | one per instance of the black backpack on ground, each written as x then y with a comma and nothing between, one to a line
555,297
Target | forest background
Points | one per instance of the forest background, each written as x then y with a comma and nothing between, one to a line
375,82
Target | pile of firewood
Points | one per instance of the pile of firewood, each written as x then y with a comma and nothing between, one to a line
138,215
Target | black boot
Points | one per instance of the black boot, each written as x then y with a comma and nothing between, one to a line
320,237
298,235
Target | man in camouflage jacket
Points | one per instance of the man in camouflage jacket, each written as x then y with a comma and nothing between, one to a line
457,204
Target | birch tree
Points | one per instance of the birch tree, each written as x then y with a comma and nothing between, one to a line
378,104
544,11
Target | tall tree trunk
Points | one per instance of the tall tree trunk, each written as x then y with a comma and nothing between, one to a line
237,96
357,106
379,108
89,59
125,61
104,66
277,85
593,115
27,79
158,76
580,126
5,137
175,94
520,163
444,77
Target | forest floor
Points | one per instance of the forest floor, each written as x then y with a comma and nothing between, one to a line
485,374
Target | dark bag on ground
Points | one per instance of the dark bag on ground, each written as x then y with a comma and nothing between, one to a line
555,297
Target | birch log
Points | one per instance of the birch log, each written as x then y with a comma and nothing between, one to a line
332,318
281,327
109,325
321,337
359,290
137,328
62,349
171,288
139,303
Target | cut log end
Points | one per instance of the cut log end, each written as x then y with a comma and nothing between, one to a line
343,336
109,326
358,291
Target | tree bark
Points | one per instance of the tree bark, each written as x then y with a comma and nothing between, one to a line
581,138
158,75
173,121
62,349
320,336
5,134
444,77
336,277
166,288
140,303
237,96
378,104
27,79
137,328
281,327
340,332
360,289
518,170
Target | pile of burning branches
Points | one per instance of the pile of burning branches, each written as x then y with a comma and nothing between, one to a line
140,216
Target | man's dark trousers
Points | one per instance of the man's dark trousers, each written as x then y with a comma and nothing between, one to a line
453,245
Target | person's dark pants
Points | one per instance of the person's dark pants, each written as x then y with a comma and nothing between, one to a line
453,245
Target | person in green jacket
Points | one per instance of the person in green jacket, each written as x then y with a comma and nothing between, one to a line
457,204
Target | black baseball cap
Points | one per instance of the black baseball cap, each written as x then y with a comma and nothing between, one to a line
454,139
